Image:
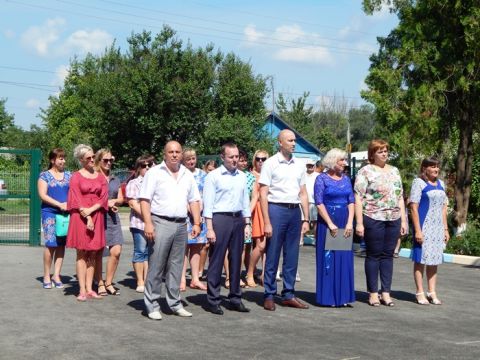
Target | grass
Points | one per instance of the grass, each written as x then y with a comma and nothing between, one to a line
14,206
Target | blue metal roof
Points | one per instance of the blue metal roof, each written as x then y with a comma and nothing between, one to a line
303,148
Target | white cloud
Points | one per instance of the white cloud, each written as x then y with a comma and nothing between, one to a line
251,34
289,33
84,41
9,33
61,73
40,38
313,54
45,39
32,103
291,43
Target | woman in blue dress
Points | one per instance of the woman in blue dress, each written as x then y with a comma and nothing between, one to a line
334,198
53,186
430,231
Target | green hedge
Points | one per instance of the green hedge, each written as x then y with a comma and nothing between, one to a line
468,243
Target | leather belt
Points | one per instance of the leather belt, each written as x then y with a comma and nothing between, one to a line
287,205
172,219
227,213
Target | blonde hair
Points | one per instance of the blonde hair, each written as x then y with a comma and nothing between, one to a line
80,151
99,156
254,162
332,156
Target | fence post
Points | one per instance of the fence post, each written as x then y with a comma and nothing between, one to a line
34,233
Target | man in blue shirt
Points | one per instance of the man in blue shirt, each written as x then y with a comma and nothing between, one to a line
227,213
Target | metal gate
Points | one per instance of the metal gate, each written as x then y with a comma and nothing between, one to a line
19,201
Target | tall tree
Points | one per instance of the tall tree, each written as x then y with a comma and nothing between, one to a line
160,89
425,82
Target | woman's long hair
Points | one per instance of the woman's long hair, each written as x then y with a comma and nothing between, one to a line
138,165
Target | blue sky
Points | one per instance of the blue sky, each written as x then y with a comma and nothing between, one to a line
319,46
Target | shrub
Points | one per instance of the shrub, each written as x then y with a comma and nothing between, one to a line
466,244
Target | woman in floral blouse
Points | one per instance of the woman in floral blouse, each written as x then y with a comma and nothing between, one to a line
380,216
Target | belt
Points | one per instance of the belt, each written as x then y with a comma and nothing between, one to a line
172,219
286,205
226,213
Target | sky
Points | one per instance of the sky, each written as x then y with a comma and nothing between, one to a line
319,46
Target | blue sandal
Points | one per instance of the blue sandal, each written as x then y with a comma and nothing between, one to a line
47,285
58,285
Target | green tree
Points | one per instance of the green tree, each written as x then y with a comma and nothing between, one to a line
159,90
362,122
6,122
425,82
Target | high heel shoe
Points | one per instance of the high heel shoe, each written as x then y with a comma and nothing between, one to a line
421,301
432,298
112,292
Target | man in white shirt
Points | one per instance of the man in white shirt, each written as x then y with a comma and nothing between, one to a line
282,191
226,208
167,191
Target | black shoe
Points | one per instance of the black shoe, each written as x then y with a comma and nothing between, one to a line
239,307
215,309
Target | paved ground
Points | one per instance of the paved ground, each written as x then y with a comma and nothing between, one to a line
50,324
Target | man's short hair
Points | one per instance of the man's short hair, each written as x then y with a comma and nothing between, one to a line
230,145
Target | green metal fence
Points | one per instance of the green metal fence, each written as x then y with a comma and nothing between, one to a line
19,201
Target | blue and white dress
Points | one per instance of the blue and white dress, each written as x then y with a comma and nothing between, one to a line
199,176
431,200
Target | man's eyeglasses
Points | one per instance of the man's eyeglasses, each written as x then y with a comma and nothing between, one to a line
106,161
149,165
89,158
260,158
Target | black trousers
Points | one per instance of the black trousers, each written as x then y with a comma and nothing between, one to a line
230,234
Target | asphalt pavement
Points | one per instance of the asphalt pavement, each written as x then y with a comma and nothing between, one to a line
50,324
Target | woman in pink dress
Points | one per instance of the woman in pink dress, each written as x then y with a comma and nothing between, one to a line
87,203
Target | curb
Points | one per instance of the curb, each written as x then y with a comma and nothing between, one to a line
449,258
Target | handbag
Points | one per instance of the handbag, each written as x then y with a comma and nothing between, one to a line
61,224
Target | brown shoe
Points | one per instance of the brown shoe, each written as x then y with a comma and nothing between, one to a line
269,305
295,303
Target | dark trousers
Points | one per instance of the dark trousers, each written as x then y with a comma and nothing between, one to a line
230,234
287,227
380,239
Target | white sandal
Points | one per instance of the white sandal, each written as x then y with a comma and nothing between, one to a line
433,300
423,301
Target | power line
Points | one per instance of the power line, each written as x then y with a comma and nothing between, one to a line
336,49
27,86
210,28
277,18
26,69
209,20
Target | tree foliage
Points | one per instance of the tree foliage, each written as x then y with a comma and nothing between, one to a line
327,127
159,90
425,81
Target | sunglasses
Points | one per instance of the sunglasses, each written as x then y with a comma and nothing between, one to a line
149,165
260,158
106,161
90,158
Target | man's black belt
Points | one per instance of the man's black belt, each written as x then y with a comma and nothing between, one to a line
227,213
172,219
287,205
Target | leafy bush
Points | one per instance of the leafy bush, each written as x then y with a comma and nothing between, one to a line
468,243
